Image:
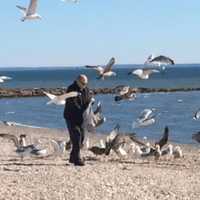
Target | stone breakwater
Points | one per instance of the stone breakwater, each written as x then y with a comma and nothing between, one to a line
36,92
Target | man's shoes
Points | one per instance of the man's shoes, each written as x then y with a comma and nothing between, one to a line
71,160
79,163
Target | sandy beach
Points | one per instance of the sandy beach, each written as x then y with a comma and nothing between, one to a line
101,178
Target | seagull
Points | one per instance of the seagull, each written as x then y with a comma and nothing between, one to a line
145,114
3,78
60,146
73,1
22,140
160,143
98,118
106,71
143,152
142,123
164,138
112,141
126,93
159,60
30,12
23,151
60,100
197,115
92,119
10,123
168,150
178,153
144,73
196,136
145,119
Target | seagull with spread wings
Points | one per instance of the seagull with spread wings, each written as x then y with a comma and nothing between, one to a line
126,94
144,73
3,78
30,13
104,71
159,60
60,100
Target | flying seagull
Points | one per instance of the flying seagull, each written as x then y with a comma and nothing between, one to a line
143,73
159,60
23,151
73,1
197,115
104,71
3,78
126,94
30,12
146,118
60,100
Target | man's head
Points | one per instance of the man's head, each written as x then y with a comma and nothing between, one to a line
82,81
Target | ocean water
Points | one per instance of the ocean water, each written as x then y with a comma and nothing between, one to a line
172,109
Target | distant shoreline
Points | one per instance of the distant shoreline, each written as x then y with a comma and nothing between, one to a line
38,92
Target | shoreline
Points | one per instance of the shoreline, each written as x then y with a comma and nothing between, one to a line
110,177
38,92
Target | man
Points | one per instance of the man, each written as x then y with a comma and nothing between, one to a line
73,114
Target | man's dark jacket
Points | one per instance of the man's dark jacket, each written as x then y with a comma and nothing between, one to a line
75,107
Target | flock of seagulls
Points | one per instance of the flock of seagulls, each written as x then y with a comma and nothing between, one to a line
21,148
158,64
115,142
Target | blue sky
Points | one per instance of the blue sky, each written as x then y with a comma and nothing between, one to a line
94,30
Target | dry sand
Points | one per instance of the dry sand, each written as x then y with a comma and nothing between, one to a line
101,177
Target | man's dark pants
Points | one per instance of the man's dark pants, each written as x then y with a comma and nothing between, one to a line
76,134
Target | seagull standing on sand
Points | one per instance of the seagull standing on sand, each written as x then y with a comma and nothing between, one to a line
60,146
30,12
22,140
147,147
106,71
178,153
159,60
60,100
23,151
112,142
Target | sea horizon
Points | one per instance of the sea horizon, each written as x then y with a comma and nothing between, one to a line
83,66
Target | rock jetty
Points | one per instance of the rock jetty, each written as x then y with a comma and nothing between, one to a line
36,92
